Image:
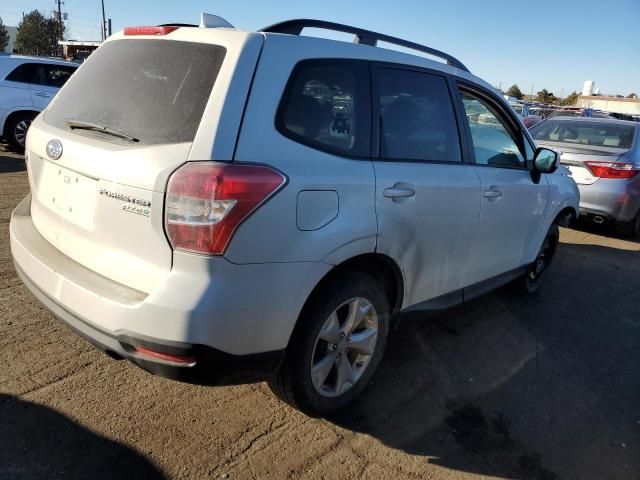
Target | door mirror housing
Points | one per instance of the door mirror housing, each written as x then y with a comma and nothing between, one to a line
545,160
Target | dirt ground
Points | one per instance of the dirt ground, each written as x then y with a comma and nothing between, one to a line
540,387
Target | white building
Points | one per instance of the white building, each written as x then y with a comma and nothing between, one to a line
630,106
12,31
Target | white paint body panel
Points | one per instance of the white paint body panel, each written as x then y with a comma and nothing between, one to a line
429,235
116,270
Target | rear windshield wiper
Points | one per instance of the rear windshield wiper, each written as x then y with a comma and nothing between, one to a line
80,125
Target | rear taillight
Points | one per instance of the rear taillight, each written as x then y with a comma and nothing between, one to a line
149,30
613,170
206,202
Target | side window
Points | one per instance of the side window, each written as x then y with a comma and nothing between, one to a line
57,75
326,106
416,117
26,73
492,143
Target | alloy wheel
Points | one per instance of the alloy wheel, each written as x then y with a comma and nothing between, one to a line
20,131
344,347
542,261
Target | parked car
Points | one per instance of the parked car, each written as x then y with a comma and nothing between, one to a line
566,112
604,158
221,208
27,85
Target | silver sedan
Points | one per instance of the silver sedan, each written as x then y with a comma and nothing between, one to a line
603,156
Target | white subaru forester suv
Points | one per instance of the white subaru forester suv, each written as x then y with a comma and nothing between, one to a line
220,206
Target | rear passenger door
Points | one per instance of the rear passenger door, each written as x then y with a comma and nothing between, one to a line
512,205
427,195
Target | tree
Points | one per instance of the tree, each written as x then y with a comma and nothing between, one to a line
571,99
545,96
4,37
38,35
514,91
632,95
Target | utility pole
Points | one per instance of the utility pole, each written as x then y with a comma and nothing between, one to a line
59,19
104,24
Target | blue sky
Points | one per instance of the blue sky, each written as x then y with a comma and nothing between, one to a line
553,44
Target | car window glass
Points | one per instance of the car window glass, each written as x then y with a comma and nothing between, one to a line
155,91
594,133
492,143
26,73
327,106
57,75
416,117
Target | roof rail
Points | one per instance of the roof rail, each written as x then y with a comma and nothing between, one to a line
362,36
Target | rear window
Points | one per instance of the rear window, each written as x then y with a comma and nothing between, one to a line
153,90
599,134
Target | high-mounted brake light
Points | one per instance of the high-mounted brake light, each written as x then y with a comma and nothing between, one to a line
149,30
207,201
613,170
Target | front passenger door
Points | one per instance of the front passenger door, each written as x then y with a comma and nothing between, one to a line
512,205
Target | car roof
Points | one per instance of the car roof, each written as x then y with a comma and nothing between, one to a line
33,59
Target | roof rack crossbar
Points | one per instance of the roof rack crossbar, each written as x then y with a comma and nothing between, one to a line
362,36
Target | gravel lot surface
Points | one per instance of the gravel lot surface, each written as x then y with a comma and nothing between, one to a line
507,386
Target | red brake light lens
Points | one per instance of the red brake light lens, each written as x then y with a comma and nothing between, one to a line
149,30
613,170
207,201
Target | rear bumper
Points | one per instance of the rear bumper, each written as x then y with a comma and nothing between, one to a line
235,319
212,366
614,200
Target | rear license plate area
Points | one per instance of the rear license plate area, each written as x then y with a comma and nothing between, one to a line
69,194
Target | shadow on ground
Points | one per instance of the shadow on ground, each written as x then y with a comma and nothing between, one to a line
603,229
38,442
11,162
537,387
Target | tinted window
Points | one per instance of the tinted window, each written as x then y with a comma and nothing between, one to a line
57,75
154,90
492,142
326,106
600,134
416,117
27,73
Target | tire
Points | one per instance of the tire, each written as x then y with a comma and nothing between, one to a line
531,280
629,229
16,129
294,383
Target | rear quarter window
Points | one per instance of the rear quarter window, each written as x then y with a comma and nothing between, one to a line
153,90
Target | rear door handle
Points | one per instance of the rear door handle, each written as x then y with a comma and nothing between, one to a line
492,193
399,192
42,94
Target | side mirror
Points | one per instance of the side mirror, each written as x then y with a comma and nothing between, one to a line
545,160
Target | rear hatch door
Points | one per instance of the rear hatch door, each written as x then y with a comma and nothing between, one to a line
130,116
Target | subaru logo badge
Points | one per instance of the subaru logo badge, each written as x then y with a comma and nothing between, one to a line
54,149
